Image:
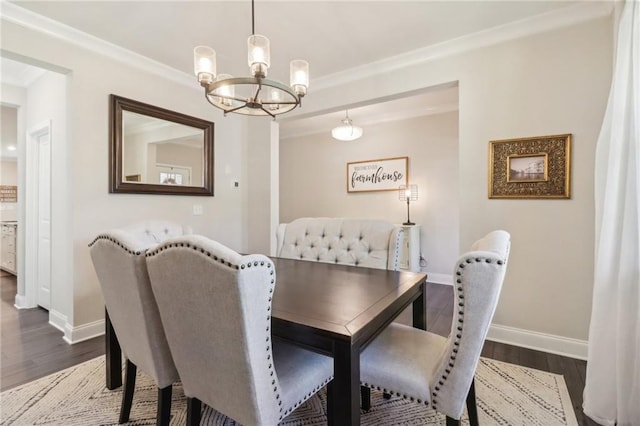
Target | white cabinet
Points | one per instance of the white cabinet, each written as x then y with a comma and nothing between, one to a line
410,250
8,255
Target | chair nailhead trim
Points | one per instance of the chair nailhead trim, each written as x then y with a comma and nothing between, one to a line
391,392
255,263
459,328
117,243
307,396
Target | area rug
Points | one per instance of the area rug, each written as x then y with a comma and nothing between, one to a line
507,395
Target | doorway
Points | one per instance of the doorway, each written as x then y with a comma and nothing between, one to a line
38,223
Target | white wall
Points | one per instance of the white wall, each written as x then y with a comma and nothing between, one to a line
90,208
542,84
9,173
313,180
47,103
261,202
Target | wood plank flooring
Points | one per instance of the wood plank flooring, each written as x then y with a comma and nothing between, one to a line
31,348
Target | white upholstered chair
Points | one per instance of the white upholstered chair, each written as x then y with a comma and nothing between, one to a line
215,306
360,242
118,258
433,370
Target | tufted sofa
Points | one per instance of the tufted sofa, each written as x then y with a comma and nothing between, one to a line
361,242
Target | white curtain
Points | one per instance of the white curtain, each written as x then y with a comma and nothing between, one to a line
612,391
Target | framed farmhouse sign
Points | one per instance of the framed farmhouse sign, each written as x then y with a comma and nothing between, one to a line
385,174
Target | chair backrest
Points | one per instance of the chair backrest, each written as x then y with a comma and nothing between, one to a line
478,278
216,309
360,242
118,258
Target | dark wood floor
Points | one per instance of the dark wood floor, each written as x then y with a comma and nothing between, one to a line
31,348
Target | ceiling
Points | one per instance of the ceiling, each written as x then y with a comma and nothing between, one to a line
333,36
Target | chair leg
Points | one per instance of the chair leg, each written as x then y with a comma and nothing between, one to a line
330,406
452,422
365,396
127,393
163,416
472,409
386,395
194,407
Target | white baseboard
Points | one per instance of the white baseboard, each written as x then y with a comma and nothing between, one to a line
432,277
83,332
21,302
559,345
58,320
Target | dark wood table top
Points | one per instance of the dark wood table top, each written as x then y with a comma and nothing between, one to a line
340,302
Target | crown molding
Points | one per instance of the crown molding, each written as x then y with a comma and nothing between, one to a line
28,19
564,17
567,16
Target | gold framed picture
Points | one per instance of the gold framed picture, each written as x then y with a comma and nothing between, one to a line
537,167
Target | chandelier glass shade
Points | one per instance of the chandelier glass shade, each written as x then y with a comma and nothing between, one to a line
347,132
255,95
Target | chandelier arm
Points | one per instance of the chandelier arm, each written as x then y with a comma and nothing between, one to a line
226,111
258,91
268,112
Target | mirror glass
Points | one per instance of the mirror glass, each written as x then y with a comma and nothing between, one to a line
159,151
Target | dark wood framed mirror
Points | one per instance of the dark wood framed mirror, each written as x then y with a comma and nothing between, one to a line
156,151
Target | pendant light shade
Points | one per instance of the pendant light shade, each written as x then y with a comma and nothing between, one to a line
347,132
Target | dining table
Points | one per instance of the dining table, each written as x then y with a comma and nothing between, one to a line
332,309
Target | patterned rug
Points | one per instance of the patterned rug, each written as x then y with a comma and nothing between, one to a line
507,395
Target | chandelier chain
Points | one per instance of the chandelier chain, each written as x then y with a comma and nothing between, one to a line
253,20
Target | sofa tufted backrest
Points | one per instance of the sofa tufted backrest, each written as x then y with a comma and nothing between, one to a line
152,232
361,242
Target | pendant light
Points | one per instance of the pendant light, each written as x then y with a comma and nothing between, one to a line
347,132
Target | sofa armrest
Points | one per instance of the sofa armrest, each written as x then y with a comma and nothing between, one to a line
395,248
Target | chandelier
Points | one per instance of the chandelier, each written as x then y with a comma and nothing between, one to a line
255,95
347,132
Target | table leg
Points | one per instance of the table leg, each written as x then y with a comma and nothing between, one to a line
344,398
113,355
419,311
